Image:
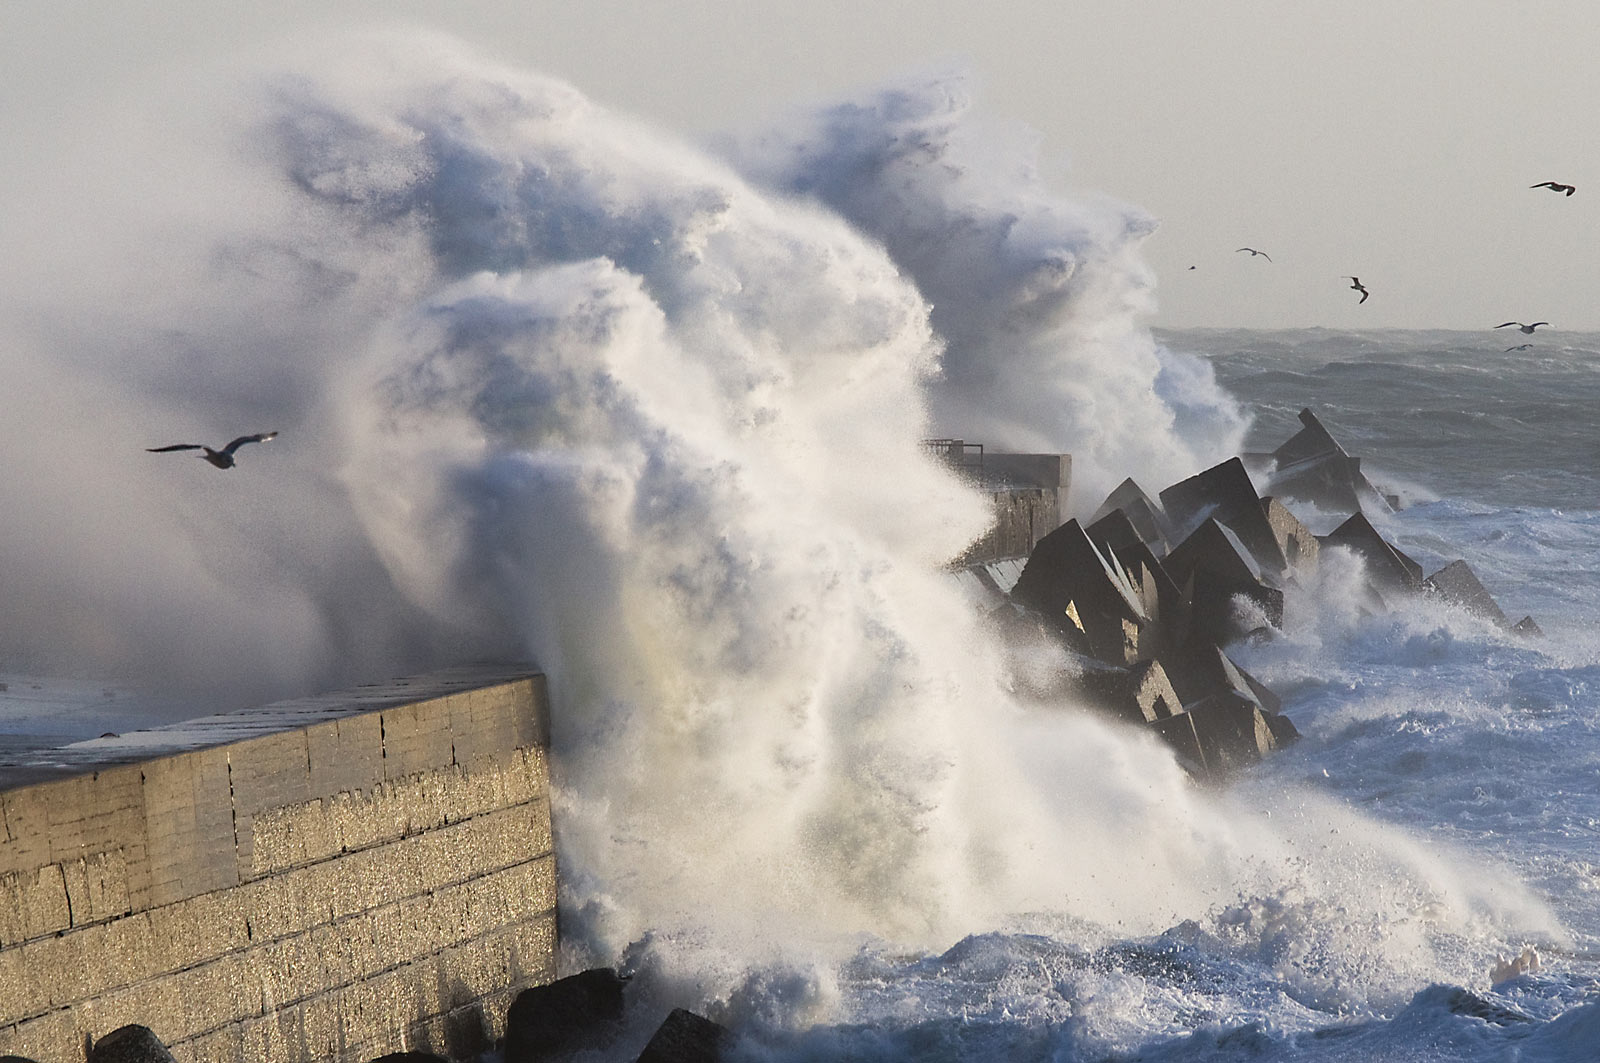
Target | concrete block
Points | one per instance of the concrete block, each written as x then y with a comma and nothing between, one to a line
1233,732
97,887
1225,494
1527,628
1143,514
1387,567
1313,467
1457,584
416,738
345,754
265,773
1071,584
28,826
190,829
56,1036
1299,545
1138,694
33,903
1213,567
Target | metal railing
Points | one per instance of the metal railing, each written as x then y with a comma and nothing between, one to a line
957,452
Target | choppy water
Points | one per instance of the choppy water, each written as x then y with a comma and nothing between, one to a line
551,384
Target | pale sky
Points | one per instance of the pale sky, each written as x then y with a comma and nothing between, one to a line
1395,140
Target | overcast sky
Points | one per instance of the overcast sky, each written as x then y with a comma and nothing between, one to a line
1395,140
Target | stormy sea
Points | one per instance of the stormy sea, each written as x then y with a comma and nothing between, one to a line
554,385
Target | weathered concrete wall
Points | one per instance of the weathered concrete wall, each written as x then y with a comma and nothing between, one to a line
1029,494
326,879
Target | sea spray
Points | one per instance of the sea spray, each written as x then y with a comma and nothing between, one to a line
569,389
1042,301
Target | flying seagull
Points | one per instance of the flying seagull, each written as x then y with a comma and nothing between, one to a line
1356,285
222,459
1254,252
1524,328
1556,187
1519,347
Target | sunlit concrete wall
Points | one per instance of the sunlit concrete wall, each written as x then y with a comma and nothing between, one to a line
331,878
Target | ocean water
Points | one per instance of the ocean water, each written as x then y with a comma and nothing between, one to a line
553,384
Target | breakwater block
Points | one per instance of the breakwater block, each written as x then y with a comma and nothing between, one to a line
1225,494
581,1010
685,1037
1387,565
1457,584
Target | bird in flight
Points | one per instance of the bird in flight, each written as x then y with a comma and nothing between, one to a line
1254,252
1356,285
1521,327
222,459
1556,187
1519,347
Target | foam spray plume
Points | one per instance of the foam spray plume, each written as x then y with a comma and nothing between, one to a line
591,395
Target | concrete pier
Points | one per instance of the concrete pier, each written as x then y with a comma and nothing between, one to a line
330,878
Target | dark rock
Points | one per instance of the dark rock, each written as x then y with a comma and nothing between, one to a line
1138,694
1225,494
1457,584
1143,513
130,1044
685,1037
13,1059
1527,628
567,1013
1388,567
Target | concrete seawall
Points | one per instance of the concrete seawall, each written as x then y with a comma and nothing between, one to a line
331,878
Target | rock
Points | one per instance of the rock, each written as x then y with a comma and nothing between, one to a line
567,1013
1527,628
1457,584
130,1044
1388,567
13,1059
1225,494
685,1037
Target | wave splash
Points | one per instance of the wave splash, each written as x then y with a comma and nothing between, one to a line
652,418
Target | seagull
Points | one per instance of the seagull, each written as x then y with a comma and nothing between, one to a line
1525,328
1556,187
1254,252
1356,285
222,459
1520,347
